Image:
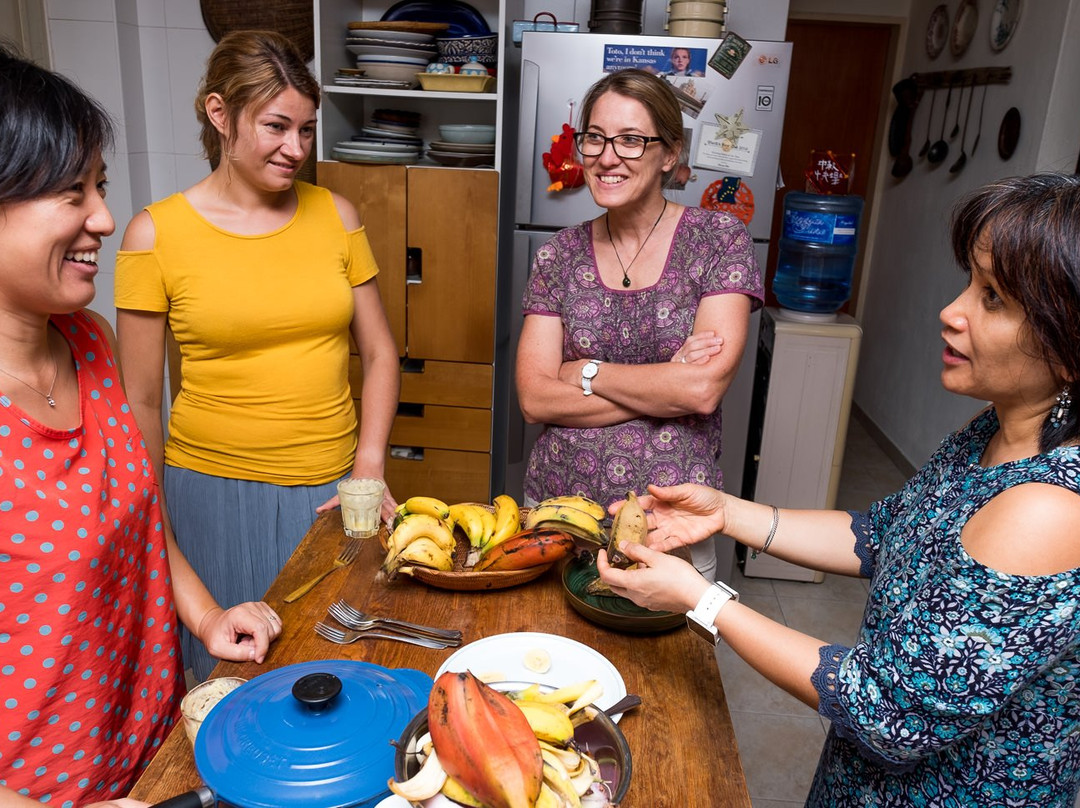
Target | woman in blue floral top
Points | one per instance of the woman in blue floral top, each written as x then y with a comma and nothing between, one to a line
620,354
961,687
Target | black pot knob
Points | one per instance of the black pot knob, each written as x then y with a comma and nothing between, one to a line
316,690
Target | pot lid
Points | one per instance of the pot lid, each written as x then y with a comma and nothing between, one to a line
315,734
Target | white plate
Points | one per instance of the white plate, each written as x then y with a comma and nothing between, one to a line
389,36
1003,22
399,158
366,146
393,60
571,662
407,135
391,50
394,801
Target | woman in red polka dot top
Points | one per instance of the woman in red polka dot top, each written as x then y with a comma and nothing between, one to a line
91,582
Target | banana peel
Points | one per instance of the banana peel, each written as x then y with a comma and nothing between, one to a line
629,526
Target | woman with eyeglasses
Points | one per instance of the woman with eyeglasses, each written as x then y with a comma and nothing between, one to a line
635,321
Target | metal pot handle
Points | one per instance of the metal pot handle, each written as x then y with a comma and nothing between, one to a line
201,797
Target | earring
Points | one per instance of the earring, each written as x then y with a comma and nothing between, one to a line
1061,408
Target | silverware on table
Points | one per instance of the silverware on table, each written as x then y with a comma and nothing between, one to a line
345,637
345,558
352,618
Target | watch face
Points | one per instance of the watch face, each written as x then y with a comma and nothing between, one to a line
589,371
711,636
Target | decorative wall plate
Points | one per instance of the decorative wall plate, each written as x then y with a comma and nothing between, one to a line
937,31
1003,22
967,19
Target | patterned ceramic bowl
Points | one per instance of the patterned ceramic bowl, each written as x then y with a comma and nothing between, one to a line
457,50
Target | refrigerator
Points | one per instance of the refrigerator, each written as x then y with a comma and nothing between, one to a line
554,72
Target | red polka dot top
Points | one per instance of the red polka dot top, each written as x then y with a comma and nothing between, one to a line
90,668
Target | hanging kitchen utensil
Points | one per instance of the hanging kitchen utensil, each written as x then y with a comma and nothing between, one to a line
956,124
962,159
1009,133
929,118
907,96
310,734
940,148
978,128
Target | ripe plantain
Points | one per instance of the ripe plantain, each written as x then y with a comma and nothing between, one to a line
528,548
628,527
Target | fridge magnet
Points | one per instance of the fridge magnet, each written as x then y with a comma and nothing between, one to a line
565,172
729,55
692,93
643,57
684,61
730,195
719,152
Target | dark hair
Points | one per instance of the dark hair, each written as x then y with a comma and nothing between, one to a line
50,130
1031,228
249,69
653,93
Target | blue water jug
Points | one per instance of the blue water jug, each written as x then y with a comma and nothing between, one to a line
817,251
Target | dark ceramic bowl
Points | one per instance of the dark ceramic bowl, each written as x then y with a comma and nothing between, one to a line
601,739
610,611
458,50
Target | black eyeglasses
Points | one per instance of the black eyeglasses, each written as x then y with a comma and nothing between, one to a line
628,147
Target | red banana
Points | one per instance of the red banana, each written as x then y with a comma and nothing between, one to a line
484,742
527,549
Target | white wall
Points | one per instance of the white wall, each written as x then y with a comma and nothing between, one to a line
912,275
142,59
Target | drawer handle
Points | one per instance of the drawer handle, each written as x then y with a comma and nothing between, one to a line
407,452
412,366
410,410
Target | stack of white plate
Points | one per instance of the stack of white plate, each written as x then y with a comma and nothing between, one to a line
371,150
391,55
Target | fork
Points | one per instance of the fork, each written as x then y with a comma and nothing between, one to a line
346,637
345,558
350,617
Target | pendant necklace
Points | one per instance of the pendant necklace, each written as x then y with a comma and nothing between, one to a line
47,396
626,269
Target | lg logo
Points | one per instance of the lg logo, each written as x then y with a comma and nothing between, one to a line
768,60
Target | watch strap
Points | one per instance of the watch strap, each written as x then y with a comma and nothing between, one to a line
702,618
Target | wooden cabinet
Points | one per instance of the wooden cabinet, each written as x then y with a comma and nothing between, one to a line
433,232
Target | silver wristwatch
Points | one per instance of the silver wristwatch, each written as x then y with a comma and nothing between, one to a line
588,373
702,618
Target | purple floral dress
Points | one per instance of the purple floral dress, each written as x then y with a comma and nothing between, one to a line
711,254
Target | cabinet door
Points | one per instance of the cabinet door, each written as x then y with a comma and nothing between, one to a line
378,192
452,221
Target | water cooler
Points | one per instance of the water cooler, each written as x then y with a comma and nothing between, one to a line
800,406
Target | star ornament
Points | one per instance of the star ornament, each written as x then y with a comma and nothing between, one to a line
731,126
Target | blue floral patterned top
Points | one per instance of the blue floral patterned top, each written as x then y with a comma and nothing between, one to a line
961,689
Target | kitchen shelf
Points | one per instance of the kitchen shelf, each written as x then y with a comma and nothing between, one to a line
334,89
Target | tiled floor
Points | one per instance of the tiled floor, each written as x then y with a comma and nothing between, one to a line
779,737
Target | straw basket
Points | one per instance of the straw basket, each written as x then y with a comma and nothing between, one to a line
291,18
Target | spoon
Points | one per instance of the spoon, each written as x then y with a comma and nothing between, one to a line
962,159
940,148
956,125
926,146
978,129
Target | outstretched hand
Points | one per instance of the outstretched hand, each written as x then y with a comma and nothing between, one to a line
681,515
242,633
660,582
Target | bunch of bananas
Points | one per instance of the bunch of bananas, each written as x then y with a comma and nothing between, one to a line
423,534
578,516
487,749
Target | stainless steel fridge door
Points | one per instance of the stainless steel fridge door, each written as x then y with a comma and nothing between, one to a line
558,69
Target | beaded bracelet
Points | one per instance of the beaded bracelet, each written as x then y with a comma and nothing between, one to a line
772,533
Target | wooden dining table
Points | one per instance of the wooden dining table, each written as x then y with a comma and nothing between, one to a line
681,738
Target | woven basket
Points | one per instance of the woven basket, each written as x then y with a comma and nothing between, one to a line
292,19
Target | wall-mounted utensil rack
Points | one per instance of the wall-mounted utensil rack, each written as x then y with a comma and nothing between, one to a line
970,76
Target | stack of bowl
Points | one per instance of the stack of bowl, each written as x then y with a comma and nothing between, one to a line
389,55
703,18
464,145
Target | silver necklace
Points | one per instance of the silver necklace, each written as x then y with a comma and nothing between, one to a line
626,269
47,396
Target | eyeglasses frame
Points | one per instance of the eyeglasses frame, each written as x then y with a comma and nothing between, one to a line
579,136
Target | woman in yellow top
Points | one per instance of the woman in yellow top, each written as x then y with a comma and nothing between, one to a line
261,279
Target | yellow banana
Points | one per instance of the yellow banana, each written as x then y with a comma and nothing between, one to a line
548,798
454,790
422,552
507,521
549,722
415,525
591,507
429,505
423,785
558,780
487,519
467,516
573,521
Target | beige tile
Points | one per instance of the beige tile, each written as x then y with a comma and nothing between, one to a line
831,621
779,754
834,587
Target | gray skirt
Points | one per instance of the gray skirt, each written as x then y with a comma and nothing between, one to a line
237,535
